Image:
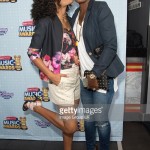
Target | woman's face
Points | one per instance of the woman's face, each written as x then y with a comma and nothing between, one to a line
66,2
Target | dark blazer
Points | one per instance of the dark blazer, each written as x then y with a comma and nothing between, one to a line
48,36
47,43
99,29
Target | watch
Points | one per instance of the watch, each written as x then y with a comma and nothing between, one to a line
92,75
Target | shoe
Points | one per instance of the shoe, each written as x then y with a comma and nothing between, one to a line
96,147
30,105
80,126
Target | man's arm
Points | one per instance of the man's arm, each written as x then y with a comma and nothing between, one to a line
108,33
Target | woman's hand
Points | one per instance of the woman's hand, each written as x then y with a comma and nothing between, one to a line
57,77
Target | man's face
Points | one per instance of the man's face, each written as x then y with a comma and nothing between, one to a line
81,1
66,2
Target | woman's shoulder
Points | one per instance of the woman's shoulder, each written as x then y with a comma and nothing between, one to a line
45,20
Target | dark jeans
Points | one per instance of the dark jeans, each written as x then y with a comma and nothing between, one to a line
95,100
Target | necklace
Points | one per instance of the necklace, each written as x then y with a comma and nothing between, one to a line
63,17
79,28
78,31
64,21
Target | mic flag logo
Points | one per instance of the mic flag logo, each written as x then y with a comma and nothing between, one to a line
15,123
12,1
8,63
3,31
42,124
35,93
6,95
27,29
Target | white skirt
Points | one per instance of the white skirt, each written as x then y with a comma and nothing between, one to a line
68,89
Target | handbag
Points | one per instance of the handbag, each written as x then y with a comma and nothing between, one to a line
94,83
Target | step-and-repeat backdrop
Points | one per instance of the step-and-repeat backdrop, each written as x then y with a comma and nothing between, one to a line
19,79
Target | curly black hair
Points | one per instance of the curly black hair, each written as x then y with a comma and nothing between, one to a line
43,8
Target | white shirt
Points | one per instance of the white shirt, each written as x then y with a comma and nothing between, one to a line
86,62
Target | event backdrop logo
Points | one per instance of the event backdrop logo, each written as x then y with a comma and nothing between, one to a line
15,123
8,63
6,95
32,93
27,29
12,1
42,124
3,31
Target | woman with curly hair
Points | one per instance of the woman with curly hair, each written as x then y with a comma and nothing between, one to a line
53,50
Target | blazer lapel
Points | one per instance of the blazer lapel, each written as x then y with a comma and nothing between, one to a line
74,17
87,16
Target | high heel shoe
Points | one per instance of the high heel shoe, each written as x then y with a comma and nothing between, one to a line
30,105
81,126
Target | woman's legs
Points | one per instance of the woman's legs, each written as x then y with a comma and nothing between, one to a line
89,124
68,125
104,100
99,120
67,138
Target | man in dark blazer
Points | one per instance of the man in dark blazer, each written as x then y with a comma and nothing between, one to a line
93,24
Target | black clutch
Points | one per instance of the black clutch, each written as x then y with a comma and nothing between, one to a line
95,83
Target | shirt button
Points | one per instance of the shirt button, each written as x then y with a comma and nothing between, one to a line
90,53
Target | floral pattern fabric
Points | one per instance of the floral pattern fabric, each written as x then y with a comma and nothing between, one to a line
63,59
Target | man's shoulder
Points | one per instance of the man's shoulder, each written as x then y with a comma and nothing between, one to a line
100,5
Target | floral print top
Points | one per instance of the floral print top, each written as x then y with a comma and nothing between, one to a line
63,59
69,49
